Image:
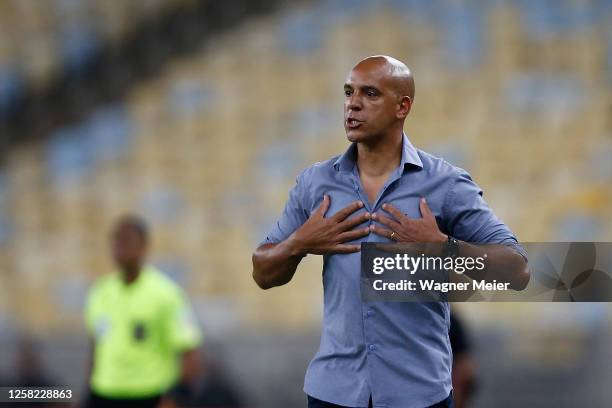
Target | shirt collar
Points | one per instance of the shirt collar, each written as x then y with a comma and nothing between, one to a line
410,157
142,275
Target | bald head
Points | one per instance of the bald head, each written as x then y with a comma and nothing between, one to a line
378,95
395,71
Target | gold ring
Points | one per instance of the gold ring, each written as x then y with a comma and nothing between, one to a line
392,234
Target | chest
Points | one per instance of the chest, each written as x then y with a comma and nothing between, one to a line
373,186
122,314
403,192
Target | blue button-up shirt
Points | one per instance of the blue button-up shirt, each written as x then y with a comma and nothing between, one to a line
398,353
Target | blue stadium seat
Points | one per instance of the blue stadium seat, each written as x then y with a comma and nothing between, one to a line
544,18
544,92
69,293
278,160
110,131
465,34
312,122
599,164
302,33
578,227
69,154
423,10
174,267
189,96
609,55
69,8
79,47
73,151
162,204
6,229
452,151
4,187
11,89
338,11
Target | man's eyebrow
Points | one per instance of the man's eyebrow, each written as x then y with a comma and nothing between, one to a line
363,87
371,88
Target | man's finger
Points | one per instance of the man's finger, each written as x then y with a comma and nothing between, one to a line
394,225
352,235
348,210
399,216
383,232
324,206
425,210
345,249
349,223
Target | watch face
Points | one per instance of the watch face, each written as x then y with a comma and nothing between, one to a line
452,247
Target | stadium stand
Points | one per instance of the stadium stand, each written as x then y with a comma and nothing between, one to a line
190,147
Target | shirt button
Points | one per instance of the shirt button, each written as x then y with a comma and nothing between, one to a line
370,312
372,347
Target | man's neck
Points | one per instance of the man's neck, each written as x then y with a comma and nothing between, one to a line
380,158
130,274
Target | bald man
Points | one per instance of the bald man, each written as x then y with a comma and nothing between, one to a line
382,189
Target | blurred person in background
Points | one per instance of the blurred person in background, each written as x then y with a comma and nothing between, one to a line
382,189
30,368
214,390
143,332
464,366
30,372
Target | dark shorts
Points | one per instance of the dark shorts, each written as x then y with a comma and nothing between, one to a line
448,402
97,401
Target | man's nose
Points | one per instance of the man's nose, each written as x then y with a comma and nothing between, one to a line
353,103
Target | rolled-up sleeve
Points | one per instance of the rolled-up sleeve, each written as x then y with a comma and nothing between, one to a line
469,218
294,213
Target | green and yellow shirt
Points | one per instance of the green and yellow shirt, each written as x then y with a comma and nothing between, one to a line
139,330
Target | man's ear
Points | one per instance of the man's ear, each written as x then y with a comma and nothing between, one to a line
404,107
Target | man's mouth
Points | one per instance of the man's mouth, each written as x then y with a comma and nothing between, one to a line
353,123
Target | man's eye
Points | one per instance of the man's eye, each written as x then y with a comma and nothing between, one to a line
371,93
347,93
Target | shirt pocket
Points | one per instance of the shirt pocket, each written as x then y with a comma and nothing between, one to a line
409,206
143,327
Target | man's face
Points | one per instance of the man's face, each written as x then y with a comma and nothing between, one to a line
128,246
371,104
